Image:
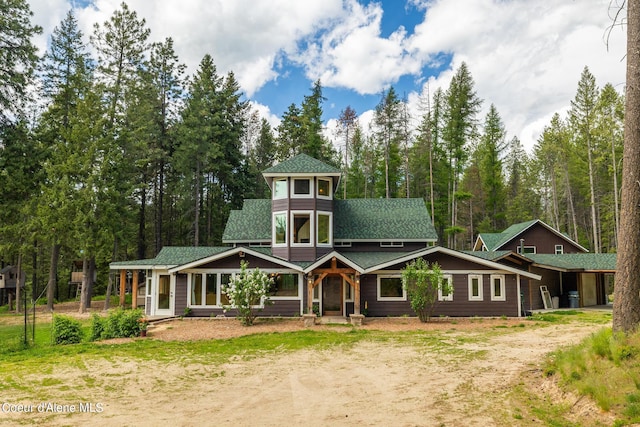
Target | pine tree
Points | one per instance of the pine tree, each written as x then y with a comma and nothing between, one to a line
492,146
388,136
17,56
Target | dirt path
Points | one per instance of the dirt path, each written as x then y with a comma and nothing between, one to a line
460,382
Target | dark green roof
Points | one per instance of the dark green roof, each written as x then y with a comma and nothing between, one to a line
494,241
382,219
489,255
581,261
353,220
302,164
366,260
175,255
251,224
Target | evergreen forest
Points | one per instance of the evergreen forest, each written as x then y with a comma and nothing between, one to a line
109,151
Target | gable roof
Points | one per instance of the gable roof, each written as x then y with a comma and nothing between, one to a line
353,220
495,241
302,164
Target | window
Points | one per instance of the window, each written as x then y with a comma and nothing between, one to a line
196,289
475,287
391,244
324,229
284,285
324,188
390,288
279,188
527,250
211,290
348,291
342,244
301,228
445,291
559,249
497,288
204,289
280,228
225,278
301,188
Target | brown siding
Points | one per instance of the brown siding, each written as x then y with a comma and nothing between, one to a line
324,205
303,254
278,205
543,239
286,308
302,204
180,294
459,307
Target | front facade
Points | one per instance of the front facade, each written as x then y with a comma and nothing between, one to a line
326,256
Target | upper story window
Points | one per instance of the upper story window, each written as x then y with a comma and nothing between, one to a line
302,228
324,227
324,188
559,249
280,228
280,188
526,250
302,187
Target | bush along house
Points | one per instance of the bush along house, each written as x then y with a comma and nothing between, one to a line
326,256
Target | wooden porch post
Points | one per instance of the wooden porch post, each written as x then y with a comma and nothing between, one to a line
123,283
356,296
134,290
310,295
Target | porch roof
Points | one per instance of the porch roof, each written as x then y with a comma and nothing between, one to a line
170,256
588,262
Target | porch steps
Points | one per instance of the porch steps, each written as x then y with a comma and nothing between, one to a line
325,320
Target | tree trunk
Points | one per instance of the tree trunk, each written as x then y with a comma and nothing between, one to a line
616,202
53,275
626,304
90,282
594,225
19,283
83,289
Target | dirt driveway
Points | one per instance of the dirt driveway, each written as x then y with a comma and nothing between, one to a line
462,379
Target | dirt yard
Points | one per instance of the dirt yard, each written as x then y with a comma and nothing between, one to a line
373,383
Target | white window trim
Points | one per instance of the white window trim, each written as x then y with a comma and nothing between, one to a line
300,286
203,297
392,244
526,247
273,229
328,197
448,278
503,295
390,276
559,249
274,189
312,226
292,184
480,296
330,215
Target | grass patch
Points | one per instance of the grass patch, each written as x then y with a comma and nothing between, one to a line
605,367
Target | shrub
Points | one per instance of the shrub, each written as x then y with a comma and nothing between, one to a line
66,330
422,282
247,293
119,324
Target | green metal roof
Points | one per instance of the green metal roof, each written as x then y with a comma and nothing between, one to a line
302,164
383,220
580,261
251,224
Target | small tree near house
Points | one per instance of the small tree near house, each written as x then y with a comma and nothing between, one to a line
247,293
422,281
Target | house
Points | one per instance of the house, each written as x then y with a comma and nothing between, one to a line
8,283
326,256
568,271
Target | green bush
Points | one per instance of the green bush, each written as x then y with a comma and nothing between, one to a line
66,330
119,324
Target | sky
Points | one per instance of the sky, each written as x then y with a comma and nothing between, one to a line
525,56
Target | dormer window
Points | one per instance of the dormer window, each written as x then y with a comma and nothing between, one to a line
302,229
280,188
324,188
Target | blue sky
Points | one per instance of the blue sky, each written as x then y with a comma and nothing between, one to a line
525,56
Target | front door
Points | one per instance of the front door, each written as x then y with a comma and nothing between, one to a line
164,295
332,296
